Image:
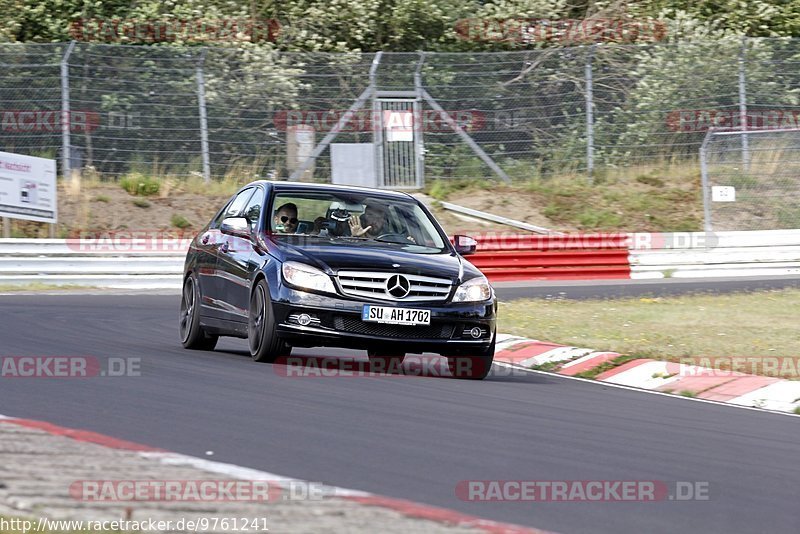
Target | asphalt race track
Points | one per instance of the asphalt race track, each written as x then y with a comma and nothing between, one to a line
403,436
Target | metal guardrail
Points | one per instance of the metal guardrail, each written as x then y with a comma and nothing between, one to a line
115,264
137,264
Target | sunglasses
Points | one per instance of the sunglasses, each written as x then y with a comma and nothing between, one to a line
285,219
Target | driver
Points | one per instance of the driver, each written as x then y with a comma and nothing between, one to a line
371,222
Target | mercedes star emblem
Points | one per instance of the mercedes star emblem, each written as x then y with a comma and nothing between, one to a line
398,286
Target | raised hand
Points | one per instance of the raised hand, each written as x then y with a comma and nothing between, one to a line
355,227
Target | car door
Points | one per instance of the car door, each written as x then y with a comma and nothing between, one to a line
205,251
209,275
236,262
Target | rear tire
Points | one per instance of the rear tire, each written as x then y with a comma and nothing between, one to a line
472,367
193,336
265,345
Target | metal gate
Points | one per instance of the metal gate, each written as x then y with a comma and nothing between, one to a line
398,143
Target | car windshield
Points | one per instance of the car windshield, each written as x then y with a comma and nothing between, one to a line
355,218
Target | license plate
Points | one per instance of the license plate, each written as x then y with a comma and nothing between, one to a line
391,315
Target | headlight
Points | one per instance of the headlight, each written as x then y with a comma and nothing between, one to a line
475,290
307,277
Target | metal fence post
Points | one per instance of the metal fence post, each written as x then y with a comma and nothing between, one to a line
705,182
66,148
377,120
743,105
589,116
201,104
419,130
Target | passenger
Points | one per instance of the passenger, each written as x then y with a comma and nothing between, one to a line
285,219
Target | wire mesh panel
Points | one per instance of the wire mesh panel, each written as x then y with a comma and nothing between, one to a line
253,112
147,104
524,109
654,104
752,180
30,100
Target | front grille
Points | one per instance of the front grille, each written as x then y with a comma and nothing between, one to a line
373,285
353,325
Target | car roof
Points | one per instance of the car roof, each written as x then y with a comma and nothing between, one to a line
280,186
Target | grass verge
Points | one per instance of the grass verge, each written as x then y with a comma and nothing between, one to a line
760,326
38,286
654,198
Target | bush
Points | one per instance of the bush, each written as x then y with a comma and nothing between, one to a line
179,221
140,185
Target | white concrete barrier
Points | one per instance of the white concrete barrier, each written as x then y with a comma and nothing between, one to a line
140,263
714,254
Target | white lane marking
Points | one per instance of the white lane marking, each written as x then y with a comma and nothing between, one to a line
647,391
242,473
590,356
783,395
646,375
558,354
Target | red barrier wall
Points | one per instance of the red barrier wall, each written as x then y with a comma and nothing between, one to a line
566,257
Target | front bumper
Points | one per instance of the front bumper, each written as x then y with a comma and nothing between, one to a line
337,323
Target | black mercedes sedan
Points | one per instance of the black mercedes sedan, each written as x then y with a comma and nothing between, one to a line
287,264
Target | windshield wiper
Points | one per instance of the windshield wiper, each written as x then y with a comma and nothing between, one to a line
351,237
395,241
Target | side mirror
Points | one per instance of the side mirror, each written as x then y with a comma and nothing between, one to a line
465,244
236,226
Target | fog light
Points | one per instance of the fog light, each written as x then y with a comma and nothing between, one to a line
476,332
304,319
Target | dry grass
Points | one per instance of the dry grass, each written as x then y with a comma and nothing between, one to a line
754,325
39,286
654,198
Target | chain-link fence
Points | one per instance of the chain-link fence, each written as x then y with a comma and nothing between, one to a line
751,180
253,112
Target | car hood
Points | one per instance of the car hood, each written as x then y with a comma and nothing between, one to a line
333,258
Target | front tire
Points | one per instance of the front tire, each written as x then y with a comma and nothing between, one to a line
472,367
265,345
193,336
